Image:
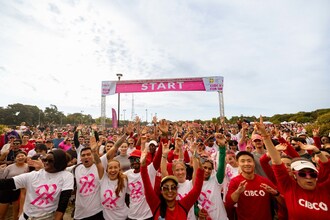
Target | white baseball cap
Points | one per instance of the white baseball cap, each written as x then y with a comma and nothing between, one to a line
302,163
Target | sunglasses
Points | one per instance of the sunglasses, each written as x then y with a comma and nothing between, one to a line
48,160
169,188
134,160
130,143
257,140
307,174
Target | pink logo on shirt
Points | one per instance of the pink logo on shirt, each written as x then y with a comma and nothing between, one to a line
136,191
88,185
179,196
45,195
204,201
109,201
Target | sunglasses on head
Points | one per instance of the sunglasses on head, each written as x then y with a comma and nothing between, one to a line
134,160
169,188
305,174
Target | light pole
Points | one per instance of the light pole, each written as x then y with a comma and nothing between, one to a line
124,110
119,75
146,116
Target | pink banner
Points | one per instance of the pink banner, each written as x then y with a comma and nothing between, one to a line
163,85
114,119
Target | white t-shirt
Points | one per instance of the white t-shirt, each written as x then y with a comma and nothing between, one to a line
78,153
210,199
230,173
183,190
130,150
139,208
113,207
88,201
212,150
43,190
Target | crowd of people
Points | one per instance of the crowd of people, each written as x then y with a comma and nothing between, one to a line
180,170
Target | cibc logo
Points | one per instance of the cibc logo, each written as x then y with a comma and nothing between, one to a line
314,205
254,193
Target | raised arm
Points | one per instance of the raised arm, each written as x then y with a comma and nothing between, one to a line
221,142
163,163
273,153
151,196
97,161
112,152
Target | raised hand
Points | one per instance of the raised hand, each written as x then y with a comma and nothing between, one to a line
80,127
281,147
166,148
259,126
154,119
316,132
163,126
94,127
307,146
130,128
92,143
221,140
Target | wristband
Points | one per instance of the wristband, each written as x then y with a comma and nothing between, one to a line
127,134
318,152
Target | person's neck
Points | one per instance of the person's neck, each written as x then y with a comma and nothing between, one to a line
260,150
137,171
171,204
20,164
24,142
249,176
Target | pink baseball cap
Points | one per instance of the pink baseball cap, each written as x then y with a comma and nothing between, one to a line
256,137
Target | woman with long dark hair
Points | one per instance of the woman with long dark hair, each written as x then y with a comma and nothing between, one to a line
165,205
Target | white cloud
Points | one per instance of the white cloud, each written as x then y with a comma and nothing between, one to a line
273,55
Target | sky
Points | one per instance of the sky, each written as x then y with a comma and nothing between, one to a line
274,55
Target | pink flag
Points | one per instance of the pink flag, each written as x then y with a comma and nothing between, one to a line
114,119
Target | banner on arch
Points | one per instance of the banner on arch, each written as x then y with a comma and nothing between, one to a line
209,84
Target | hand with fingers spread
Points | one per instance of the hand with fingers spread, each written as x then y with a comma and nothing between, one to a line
94,127
163,127
241,187
129,129
316,132
281,147
269,189
307,146
93,144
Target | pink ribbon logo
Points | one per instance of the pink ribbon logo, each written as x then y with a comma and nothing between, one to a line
45,195
109,201
88,185
179,196
136,191
203,199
